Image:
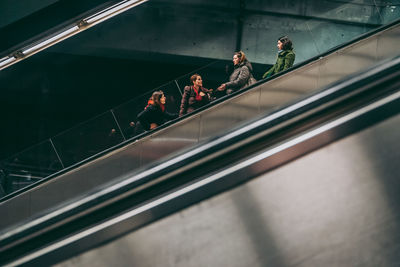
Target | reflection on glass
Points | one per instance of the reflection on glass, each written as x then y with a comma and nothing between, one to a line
87,139
28,167
212,74
126,114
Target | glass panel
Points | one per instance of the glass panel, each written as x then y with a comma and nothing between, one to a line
333,23
388,43
213,75
172,94
127,112
28,167
331,34
262,49
125,115
391,11
88,139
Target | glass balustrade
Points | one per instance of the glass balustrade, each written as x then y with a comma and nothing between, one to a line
117,125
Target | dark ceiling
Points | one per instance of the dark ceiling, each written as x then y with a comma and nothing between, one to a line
62,12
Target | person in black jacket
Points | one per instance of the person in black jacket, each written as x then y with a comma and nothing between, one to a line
154,113
194,96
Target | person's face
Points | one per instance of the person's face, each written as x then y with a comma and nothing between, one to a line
279,45
198,81
162,99
235,60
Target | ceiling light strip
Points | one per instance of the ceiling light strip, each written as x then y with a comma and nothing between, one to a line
90,21
6,61
113,11
55,39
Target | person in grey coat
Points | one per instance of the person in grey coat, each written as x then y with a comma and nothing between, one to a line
241,76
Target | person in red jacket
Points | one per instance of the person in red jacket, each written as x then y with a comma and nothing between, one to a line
194,96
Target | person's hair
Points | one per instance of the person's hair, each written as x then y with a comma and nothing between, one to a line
241,56
194,77
156,97
286,43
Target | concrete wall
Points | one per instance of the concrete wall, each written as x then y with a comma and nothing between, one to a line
214,29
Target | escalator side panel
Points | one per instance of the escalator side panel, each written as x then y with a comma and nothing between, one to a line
336,206
350,60
66,186
289,87
227,115
171,139
387,43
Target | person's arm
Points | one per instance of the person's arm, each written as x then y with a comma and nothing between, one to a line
153,125
206,95
184,101
289,60
269,72
143,117
241,80
207,91
221,88
170,116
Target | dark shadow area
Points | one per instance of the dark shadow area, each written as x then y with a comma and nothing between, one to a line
263,243
50,93
57,14
383,157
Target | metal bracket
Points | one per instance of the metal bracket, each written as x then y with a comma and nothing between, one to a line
18,54
82,24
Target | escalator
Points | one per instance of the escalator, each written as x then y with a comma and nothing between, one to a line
263,98
45,75
267,98
314,183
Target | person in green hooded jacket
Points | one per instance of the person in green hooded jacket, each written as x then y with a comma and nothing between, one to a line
285,59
